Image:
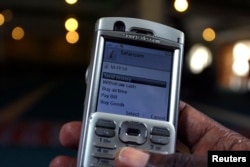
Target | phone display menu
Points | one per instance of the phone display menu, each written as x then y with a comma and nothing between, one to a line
135,81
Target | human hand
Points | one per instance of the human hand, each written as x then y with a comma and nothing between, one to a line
69,137
199,132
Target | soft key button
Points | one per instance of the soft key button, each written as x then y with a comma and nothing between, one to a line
105,128
105,124
160,131
159,135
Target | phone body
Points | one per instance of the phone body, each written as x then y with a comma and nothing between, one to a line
133,87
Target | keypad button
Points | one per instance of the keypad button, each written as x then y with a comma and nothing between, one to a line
105,124
99,162
160,131
133,132
105,156
104,132
162,140
100,150
105,145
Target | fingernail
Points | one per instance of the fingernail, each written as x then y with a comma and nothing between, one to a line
133,158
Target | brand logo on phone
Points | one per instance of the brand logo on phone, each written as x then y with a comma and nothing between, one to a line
142,38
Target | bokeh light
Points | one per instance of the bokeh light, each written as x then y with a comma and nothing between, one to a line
18,33
209,34
240,68
2,19
241,58
72,37
241,51
181,5
71,2
71,24
199,58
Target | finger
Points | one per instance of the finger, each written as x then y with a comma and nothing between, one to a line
130,157
182,105
70,134
192,124
176,160
200,133
63,161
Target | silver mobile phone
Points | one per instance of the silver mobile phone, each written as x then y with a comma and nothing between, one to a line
133,85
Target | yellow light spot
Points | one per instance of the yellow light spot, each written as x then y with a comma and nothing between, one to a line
71,24
72,37
2,19
17,33
209,34
181,5
71,2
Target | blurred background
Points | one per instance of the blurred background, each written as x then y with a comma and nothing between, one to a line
45,49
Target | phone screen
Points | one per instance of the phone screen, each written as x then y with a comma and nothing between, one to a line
135,81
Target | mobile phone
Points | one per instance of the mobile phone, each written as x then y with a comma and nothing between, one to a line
133,86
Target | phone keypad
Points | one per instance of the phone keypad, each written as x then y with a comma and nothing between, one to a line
104,150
